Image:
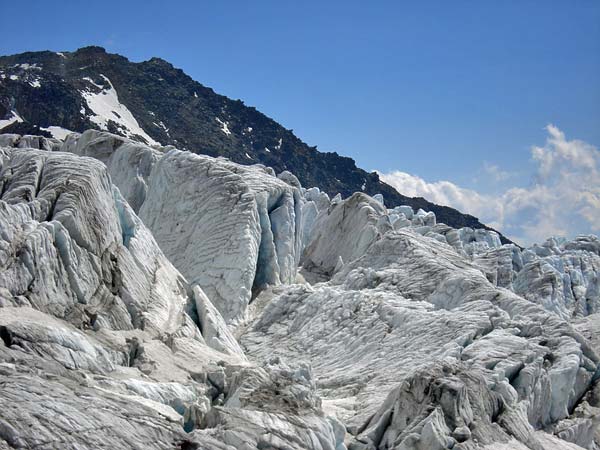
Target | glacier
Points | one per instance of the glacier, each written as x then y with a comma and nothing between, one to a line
155,298
232,230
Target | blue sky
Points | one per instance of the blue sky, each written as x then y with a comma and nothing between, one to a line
441,90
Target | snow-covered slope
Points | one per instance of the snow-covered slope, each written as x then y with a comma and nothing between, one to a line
104,103
151,298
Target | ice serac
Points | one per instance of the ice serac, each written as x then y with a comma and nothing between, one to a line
564,276
103,343
344,230
491,376
257,413
129,163
73,248
561,275
226,227
27,141
231,229
75,258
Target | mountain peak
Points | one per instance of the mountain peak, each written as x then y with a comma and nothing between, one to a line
154,102
91,49
159,61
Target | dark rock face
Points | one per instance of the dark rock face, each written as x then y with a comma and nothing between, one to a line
46,89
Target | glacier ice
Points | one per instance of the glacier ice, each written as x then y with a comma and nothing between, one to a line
487,356
151,298
345,229
231,229
93,314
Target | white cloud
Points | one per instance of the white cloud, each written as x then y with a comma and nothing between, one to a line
496,173
444,193
563,200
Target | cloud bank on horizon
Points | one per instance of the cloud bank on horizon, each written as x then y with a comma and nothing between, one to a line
563,198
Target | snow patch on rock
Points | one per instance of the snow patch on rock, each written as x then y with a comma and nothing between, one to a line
105,104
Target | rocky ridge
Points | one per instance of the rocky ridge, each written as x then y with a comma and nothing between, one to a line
52,94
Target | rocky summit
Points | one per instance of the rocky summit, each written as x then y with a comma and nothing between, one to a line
153,298
52,94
